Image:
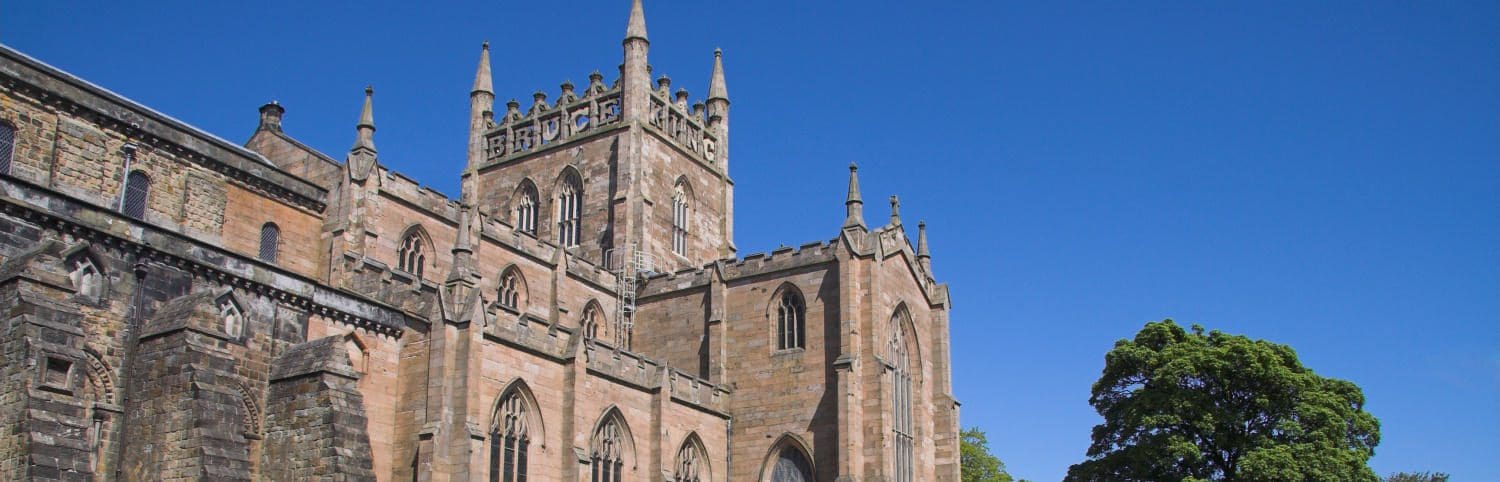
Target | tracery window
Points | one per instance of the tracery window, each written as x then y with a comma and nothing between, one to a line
526,208
7,146
593,321
270,241
791,326
691,466
680,215
412,256
137,188
510,440
510,289
791,466
901,382
569,210
608,453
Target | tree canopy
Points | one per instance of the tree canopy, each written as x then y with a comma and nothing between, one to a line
977,464
1189,406
1417,477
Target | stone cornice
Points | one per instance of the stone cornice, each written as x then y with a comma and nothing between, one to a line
51,85
57,212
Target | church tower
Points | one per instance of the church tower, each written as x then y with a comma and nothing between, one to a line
611,168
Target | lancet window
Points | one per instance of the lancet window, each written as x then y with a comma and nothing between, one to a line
901,389
413,254
791,326
681,198
569,210
607,457
510,440
526,208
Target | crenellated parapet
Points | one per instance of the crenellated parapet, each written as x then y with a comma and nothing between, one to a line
573,115
686,126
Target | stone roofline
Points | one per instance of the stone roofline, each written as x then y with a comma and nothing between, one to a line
56,211
561,344
197,145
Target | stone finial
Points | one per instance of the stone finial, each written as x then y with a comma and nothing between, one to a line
716,88
270,116
664,84
682,96
636,28
482,81
895,210
854,207
366,126
922,240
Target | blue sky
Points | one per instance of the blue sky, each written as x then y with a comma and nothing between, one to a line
1320,174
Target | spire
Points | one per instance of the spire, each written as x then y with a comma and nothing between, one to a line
716,89
922,240
366,126
895,211
482,81
637,26
854,207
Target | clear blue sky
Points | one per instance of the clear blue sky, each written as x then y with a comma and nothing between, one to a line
1321,174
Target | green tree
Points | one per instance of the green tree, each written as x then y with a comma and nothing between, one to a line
976,462
1189,406
1417,477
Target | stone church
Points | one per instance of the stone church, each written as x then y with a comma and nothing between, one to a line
175,306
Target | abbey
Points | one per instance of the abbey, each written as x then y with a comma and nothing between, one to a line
174,306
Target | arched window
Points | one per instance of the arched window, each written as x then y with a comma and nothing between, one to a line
607,456
7,146
791,320
137,188
681,197
510,439
526,208
593,321
270,242
569,209
412,254
512,290
791,465
901,382
692,463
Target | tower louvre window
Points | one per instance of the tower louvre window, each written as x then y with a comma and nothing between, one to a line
680,198
270,241
7,146
791,314
569,210
137,189
526,209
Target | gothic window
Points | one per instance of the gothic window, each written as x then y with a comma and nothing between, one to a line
526,208
7,146
593,321
791,466
692,465
137,188
412,254
569,209
270,241
901,381
231,315
512,289
607,457
791,320
681,197
510,439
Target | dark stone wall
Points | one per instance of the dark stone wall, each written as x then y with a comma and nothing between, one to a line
315,418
